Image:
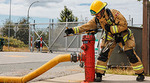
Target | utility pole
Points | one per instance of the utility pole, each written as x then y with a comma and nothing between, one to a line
9,24
145,39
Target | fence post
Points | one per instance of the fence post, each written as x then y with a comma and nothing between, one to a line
132,22
31,45
41,44
29,36
49,37
33,36
77,42
66,37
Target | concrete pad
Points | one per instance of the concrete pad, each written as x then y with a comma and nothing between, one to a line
69,78
108,78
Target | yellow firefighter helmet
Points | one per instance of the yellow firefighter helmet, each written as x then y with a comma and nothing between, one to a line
97,6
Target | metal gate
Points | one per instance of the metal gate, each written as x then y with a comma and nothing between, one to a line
53,36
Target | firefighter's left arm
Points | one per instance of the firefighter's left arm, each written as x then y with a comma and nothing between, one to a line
120,22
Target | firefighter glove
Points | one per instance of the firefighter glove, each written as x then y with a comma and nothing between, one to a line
107,28
118,38
69,31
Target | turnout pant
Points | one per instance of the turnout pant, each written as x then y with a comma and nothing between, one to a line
128,49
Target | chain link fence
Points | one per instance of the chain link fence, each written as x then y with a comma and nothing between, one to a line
27,35
52,36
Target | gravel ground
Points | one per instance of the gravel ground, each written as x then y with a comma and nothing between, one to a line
21,69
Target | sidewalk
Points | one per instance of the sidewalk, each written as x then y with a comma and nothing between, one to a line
108,78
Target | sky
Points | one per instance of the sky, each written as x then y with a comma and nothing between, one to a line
44,10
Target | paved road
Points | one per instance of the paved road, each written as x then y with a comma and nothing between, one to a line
22,57
22,63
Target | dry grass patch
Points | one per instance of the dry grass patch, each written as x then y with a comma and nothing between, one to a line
13,49
121,71
21,49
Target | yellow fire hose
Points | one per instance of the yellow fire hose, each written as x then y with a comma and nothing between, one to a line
37,72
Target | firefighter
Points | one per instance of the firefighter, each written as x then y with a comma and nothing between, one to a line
116,30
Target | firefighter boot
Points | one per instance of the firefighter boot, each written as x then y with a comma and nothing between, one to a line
98,77
140,77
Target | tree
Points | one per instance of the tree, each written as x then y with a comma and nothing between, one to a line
23,32
66,15
8,24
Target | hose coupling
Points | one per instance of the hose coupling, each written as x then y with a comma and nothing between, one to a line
74,57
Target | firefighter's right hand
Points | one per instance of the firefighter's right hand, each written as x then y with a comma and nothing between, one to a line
69,31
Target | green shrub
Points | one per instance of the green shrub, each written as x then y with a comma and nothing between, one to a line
13,42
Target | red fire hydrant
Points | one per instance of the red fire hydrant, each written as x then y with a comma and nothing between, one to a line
87,56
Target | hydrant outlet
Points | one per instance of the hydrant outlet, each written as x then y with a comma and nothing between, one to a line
74,57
